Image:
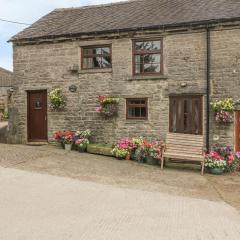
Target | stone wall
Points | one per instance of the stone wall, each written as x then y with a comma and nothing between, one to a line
45,66
225,77
5,83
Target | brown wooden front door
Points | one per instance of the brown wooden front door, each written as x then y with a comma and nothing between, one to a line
237,131
37,116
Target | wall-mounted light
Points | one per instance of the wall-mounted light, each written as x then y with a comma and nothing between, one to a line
10,91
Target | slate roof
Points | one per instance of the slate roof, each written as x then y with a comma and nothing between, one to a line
3,70
129,15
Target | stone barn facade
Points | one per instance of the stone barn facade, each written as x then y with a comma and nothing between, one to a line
165,68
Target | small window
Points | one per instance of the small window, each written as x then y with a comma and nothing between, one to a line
137,108
147,57
96,57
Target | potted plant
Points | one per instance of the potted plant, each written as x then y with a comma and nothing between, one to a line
232,158
68,142
60,136
57,99
223,110
154,153
120,153
136,143
82,144
215,163
83,134
123,148
108,106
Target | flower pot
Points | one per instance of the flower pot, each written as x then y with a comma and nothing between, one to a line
62,145
151,161
128,156
68,147
216,171
133,154
81,149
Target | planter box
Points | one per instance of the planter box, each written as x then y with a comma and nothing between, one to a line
101,149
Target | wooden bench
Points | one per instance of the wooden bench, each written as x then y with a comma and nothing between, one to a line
187,147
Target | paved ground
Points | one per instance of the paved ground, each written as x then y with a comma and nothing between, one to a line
81,196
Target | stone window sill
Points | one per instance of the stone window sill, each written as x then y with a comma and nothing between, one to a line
94,71
149,77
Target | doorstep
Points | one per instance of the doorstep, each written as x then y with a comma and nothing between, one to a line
36,143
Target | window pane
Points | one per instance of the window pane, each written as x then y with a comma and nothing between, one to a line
88,51
174,116
97,51
156,45
137,112
106,61
87,63
106,50
148,45
152,58
138,68
139,59
196,117
185,115
143,112
135,102
97,62
152,68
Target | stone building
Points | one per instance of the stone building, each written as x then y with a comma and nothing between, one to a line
5,84
165,61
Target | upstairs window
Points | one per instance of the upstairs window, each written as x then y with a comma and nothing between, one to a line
96,57
147,57
137,108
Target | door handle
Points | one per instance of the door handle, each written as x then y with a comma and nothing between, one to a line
45,118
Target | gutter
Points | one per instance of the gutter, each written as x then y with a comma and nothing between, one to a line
208,89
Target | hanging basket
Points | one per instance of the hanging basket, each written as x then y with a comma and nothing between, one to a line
108,106
224,117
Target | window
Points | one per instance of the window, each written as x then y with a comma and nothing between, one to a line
96,57
186,114
137,108
147,57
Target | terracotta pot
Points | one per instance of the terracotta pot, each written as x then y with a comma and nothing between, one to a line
128,157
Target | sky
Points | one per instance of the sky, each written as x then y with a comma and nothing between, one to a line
28,11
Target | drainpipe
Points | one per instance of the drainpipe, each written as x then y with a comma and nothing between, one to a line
208,40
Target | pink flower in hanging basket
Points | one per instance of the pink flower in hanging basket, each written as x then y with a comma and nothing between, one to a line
98,109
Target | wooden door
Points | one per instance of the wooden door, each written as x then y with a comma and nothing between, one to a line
186,115
37,116
237,131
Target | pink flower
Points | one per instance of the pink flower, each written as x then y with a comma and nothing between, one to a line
231,158
98,109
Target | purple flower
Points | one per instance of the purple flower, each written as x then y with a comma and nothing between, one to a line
238,155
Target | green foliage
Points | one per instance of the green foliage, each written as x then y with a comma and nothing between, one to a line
57,99
5,115
119,152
